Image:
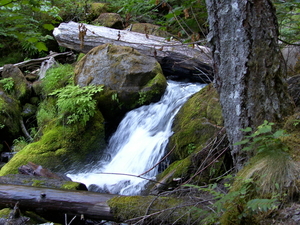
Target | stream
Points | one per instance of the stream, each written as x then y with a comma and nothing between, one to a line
137,145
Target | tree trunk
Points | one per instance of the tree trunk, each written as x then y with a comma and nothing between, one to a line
174,57
248,66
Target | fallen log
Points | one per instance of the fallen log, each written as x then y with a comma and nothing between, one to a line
53,204
53,201
183,61
37,62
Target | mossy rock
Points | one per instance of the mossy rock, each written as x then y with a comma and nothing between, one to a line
61,147
21,90
198,120
10,115
172,176
130,78
197,123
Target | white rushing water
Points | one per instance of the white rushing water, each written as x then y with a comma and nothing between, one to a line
138,144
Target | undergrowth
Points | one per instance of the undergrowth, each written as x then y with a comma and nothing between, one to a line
76,104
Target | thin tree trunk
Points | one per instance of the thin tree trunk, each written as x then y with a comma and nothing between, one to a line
248,66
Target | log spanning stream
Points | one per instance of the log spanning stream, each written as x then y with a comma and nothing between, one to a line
137,145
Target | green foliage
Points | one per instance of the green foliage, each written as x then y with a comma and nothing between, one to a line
187,18
19,144
262,205
76,104
73,10
191,148
46,112
26,22
142,98
7,84
115,98
240,198
288,15
263,140
57,77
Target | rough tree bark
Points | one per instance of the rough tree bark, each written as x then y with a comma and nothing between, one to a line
248,66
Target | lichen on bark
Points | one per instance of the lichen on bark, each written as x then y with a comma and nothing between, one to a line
248,66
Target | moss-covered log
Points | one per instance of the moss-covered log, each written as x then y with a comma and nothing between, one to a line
90,205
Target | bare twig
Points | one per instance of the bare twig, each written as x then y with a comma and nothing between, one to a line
131,175
158,162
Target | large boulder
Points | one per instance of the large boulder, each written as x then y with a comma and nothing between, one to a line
130,78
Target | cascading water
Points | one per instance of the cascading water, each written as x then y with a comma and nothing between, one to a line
138,144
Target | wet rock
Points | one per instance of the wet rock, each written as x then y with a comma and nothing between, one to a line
130,78
21,89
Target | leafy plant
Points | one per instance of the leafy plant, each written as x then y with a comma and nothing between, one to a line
27,22
263,139
114,97
190,148
288,15
240,198
142,98
76,104
7,84
19,144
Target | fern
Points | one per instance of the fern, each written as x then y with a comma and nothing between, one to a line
262,205
263,140
76,104
7,84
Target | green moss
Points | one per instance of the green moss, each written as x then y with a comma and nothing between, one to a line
70,185
177,169
10,112
165,210
4,213
153,90
37,183
197,121
57,77
80,56
60,146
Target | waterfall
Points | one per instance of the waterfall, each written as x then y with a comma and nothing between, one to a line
138,144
